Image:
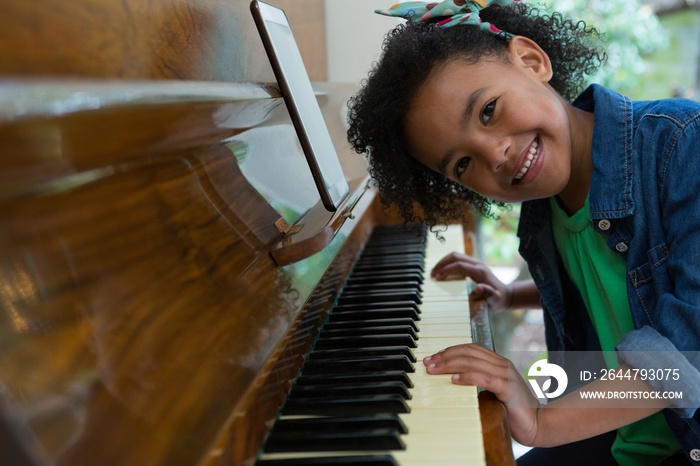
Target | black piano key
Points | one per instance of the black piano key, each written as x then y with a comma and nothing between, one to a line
365,460
346,406
330,325
366,287
368,439
388,245
392,265
380,235
392,253
396,264
350,365
374,314
406,259
359,362
365,341
415,232
359,276
315,424
393,239
362,352
371,297
392,235
340,308
358,389
386,249
368,279
385,376
345,332
387,268
401,246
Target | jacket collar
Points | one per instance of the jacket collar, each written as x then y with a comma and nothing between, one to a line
610,195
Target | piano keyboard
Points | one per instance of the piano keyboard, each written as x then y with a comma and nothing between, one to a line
363,396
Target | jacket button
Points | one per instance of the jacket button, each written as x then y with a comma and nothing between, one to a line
695,454
621,247
604,225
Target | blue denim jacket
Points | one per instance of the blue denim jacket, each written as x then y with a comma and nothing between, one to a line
645,195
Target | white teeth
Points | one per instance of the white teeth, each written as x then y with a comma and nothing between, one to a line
530,160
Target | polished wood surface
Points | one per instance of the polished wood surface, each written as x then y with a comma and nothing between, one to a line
200,40
152,311
140,302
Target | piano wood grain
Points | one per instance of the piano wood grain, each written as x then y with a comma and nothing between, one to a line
142,317
199,40
140,302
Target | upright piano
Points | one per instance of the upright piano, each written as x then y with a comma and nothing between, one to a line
172,290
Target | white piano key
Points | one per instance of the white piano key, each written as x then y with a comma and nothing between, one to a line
444,423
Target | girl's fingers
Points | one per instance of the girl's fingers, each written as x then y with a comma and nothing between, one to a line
475,270
498,384
472,364
455,257
453,262
454,269
461,358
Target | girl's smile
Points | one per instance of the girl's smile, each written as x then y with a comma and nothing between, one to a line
499,129
529,164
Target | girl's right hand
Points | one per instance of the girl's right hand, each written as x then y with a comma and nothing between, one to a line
488,286
472,364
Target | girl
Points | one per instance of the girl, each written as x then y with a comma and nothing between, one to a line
472,106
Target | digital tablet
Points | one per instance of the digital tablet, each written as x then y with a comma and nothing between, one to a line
298,94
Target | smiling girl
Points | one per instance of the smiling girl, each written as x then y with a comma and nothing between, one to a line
470,107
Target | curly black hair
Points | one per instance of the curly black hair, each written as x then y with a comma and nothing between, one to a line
410,52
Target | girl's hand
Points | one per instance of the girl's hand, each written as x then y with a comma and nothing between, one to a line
497,295
473,364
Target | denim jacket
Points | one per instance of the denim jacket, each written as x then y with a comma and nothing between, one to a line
645,196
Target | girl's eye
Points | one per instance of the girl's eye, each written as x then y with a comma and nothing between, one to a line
488,111
461,166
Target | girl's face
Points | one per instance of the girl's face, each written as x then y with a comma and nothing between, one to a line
499,129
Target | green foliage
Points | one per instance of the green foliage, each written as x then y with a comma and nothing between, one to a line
499,243
673,71
631,32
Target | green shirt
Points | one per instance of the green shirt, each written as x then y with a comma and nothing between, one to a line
600,275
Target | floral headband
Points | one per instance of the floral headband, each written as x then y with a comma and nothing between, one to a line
454,12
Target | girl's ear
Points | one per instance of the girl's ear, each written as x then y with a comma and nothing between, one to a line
527,53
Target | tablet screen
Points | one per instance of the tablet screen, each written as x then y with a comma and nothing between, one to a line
304,110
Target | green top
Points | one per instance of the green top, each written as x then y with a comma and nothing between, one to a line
600,275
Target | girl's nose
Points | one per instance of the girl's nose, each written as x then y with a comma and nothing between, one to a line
495,154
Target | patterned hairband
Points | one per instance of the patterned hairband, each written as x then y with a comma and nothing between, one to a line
454,12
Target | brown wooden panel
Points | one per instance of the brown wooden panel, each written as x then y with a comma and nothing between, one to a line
211,40
122,297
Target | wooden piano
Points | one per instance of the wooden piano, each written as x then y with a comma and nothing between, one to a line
165,262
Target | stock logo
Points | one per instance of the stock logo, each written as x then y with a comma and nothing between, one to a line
542,368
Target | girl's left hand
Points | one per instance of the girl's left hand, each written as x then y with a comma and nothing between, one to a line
472,364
